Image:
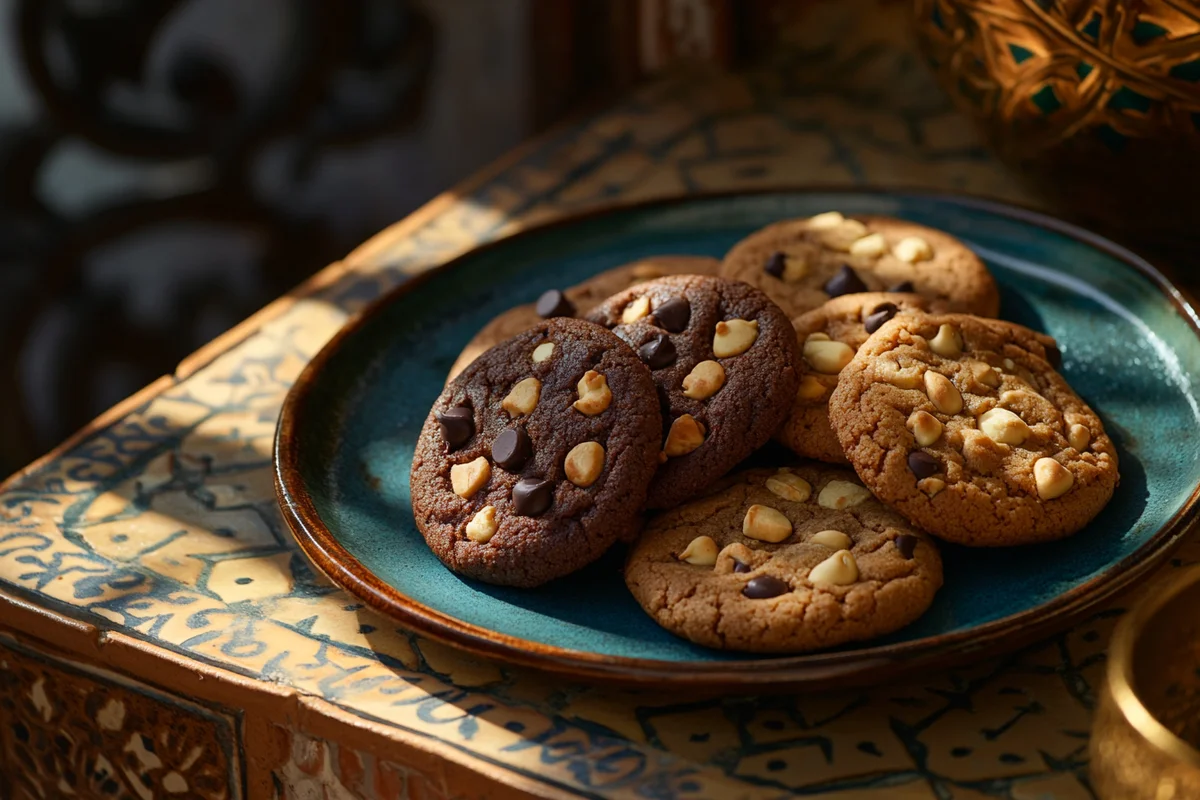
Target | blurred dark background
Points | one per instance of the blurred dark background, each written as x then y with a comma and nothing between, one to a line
167,167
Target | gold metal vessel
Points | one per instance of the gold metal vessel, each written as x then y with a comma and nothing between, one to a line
1146,735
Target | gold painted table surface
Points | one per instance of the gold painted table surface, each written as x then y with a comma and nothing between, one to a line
160,634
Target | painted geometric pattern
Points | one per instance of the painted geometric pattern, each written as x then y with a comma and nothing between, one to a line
1108,69
66,731
163,523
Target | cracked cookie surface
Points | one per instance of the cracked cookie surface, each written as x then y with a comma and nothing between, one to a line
801,263
847,320
797,559
538,456
964,426
581,299
723,358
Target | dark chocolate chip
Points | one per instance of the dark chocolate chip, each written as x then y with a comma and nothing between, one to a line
738,566
512,449
906,544
903,286
674,314
658,352
532,496
458,426
879,315
845,281
765,586
775,264
1054,356
922,464
554,303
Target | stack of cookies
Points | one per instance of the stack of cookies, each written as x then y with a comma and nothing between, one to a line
620,409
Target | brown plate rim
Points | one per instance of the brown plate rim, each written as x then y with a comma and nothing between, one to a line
820,670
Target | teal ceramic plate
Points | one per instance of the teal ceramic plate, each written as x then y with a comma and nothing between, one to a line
1131,348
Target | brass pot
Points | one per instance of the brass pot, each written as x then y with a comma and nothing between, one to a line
1096,102
1146,736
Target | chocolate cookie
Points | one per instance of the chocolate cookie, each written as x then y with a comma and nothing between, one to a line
538,456
724,359
802,263
783,561
963,425
578,300
829,336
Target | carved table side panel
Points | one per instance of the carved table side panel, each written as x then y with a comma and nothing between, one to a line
69,730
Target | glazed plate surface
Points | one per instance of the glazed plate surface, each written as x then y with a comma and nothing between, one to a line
346,437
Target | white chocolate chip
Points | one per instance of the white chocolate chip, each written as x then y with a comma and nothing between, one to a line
947,343
828,358
1079,437
795,267
1052,478
1002,425
686,434
705,380
636,310
467,479
931,486
766,524
810,388
871,246
843,236
834,540
901,377
594,394
830,219
482,526
912,249
542,352
985,374
734,337
789,486
840,569
584,463
701,551
841,494
523,398
925,427
942,393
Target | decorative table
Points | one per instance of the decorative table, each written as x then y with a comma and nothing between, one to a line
160,634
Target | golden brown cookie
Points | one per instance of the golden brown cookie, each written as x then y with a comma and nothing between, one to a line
578,300
963,425
783,561
538,456
829,336
723,358
801,263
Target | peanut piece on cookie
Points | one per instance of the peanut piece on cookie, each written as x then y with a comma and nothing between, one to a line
686,434
594,394
584,463
925,427
543,352
701,551
523,398
734,337
912,249
636,310
943,393
789,486
467,479
483,525
842,494
840,569
834,540
1052,478
828,358
766,524
705,380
